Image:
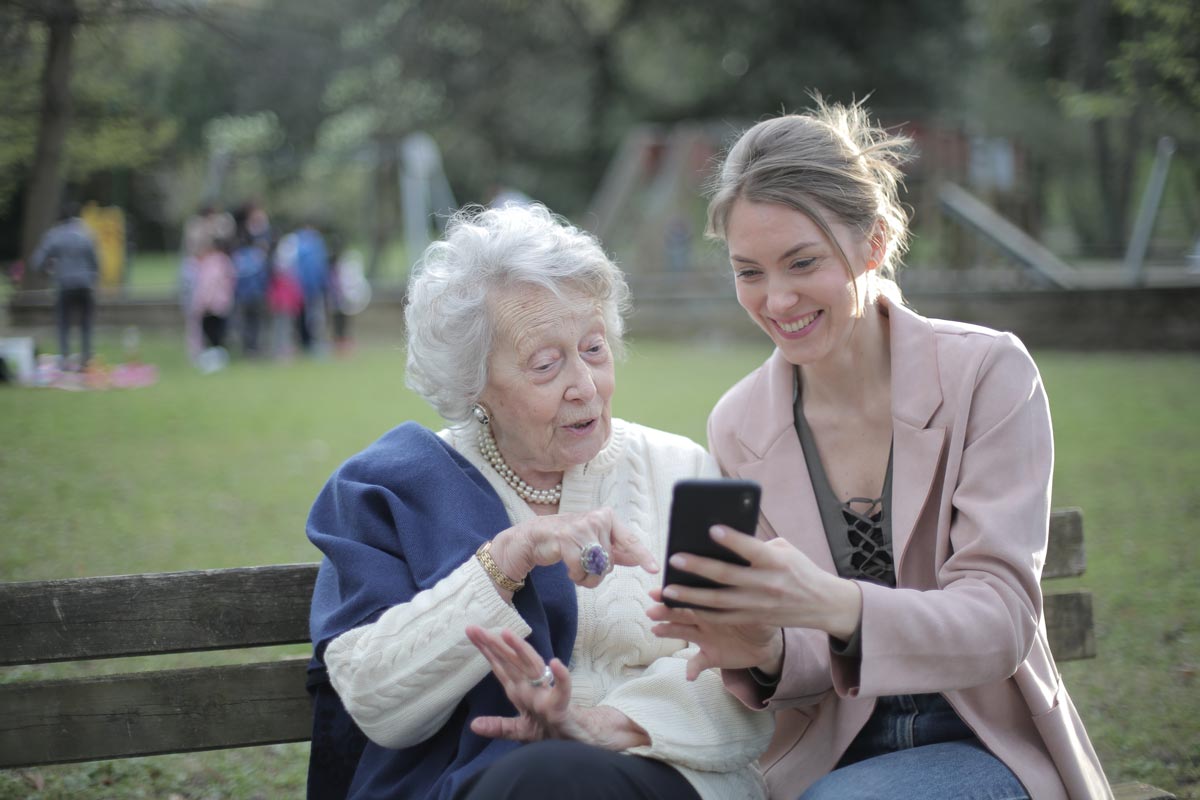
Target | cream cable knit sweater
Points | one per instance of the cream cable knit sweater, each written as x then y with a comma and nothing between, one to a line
401,677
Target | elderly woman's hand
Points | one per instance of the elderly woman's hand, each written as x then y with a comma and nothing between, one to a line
565,537
541,693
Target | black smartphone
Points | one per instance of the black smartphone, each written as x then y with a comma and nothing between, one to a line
696,506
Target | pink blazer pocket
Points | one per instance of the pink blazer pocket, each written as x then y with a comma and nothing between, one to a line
1063,734
790,726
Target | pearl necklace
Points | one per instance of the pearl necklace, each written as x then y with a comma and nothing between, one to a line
487,446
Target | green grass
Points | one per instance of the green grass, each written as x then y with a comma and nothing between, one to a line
1127,431
214,471
153,274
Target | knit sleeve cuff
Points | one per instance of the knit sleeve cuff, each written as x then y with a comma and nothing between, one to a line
401,676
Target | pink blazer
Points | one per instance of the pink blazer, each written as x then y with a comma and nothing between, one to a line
972,462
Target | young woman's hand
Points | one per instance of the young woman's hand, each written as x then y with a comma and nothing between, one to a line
722,646
782,588
544,703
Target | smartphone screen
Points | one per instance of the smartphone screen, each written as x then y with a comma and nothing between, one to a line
696,506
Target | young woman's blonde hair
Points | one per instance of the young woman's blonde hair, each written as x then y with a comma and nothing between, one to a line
830,161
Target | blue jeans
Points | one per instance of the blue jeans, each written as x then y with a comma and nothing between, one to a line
916,746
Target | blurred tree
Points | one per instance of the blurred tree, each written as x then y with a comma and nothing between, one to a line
253,57
1146,69
143,79
49,30
59,18
535,94
1126,71
539,93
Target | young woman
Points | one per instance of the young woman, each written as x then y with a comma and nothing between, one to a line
891,614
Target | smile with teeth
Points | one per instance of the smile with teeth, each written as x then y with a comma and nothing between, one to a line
798,324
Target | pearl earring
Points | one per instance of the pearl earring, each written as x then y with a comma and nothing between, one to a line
481,413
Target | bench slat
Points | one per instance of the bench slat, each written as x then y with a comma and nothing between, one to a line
66,620
148,713
215,707
1069,625
1139,791
1065,555
173,612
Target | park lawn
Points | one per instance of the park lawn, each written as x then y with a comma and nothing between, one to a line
1127,433
215,471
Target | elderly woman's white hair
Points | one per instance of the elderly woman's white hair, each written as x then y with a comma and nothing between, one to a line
450,329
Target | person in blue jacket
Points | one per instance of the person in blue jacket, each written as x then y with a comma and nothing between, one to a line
312,268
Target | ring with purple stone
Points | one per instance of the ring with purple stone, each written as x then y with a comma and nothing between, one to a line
594,559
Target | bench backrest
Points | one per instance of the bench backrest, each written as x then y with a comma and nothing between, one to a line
205,708
169,711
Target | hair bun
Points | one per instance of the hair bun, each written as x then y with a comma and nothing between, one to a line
833,158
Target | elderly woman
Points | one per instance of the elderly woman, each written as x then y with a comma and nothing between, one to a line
480,610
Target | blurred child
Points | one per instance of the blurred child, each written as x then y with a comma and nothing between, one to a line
312,271
250,291
212,303
285,300
350,294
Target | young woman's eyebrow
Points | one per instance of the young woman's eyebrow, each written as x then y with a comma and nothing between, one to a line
791,252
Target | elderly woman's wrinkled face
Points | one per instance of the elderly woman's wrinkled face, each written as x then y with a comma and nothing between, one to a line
550,380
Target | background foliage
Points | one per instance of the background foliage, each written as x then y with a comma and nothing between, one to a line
539,95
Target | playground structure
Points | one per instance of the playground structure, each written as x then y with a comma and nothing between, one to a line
649,211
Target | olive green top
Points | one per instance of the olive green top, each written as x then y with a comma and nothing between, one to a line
859,529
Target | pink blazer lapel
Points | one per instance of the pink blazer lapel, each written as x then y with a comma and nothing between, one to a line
789,505
916,395
914,466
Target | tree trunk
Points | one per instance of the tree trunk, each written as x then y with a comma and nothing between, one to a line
1093,45
1127,172
598,109
1112,230
384,179
46,183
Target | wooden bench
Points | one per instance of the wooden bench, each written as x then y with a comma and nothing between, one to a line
240,705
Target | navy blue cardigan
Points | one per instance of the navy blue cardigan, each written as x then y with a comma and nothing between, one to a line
393,521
